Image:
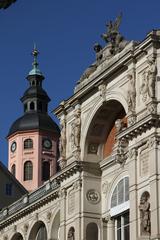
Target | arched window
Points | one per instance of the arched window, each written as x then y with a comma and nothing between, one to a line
45,170
28,143
32,106
42,233
28,171
120,209
13,170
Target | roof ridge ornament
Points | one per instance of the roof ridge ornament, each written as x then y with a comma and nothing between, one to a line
35,53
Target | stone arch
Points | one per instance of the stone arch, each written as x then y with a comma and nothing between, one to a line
101,122
17,236
55,226
92,231
38,230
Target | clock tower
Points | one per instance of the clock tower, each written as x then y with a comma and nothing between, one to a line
33,138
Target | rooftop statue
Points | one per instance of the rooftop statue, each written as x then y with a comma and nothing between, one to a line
113,37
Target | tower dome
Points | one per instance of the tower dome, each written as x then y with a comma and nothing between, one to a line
33,137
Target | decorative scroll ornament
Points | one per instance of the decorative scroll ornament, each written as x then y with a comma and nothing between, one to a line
93,196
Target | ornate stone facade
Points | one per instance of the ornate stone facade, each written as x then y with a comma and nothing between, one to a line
110,144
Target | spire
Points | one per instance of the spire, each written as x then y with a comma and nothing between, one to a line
35,70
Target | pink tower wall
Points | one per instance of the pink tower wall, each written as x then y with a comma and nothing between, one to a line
36,154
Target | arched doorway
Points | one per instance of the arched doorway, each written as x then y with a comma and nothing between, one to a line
38,232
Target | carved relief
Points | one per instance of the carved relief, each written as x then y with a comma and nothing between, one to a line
48,216
62,193
121,155
25,228
144,160
93,148
71,202
131,94
93,196
105,187
145,215
102,90
147,88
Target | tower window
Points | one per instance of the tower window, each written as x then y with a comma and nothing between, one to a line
28,170
13,170
28,143
32,106
45,171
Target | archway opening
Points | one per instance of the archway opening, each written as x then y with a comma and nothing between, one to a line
101,136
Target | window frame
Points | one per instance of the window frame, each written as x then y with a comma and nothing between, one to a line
28,171
28,144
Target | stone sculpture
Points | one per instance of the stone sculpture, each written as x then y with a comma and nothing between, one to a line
144,208
71,234
62,143
76,130
131,95
147,89
113,37
98,50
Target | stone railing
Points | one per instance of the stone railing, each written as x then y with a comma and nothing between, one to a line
29,199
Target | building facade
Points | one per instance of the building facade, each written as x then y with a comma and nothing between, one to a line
108,187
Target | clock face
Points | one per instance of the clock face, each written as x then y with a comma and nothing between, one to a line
13,147
47,143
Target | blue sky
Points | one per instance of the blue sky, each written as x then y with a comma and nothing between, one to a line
65,32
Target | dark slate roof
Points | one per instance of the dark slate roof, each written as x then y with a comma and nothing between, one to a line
4,169
35,92
34,121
